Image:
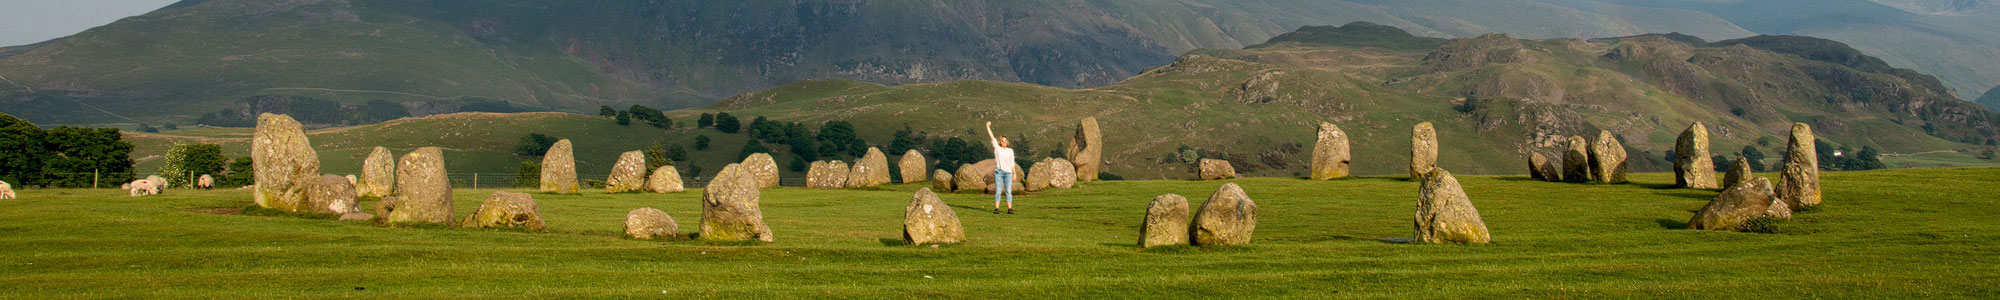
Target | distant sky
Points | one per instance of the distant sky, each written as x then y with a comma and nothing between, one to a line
33,21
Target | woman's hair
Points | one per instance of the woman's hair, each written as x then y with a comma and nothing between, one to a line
1003,140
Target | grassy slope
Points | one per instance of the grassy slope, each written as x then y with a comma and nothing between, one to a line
1879,235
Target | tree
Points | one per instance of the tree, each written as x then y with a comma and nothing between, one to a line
624,118
656,157
316,111
1755,157
752,147
21,151
901,141
534,144
707,119
651,116
952,152
857,148
700,142
799,164
186,161
838,133
727,123
677,153
766,130
148,128
607,111
377,111
529,175
78,154
241,173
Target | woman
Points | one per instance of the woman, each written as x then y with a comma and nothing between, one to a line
1003,167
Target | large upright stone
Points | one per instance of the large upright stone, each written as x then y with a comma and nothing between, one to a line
1799,185
1738,172
284,161
830,174
1576,160
378,174
665,179
871,170
628,175
1086,150
1607,159
1228,218
1050,173
729,210
506,209
648,223
559,169
1423,150
1445,214
941,181
763,169
1216,169
1331,154
1166,222
927,220
912,167
330,194
1739,205
423,192
1693,168
1542,168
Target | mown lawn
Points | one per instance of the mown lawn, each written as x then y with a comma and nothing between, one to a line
1881,234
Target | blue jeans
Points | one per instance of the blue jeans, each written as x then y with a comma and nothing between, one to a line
1003,182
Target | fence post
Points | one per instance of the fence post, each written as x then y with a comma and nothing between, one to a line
93,178
475,180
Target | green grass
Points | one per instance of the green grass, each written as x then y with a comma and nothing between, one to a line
1880,234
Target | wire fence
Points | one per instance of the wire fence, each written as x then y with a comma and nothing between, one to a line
458,180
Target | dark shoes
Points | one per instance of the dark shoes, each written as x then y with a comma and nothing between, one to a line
996,211
1010,211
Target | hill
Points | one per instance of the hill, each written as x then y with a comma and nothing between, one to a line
438,56
1991,99
1878,235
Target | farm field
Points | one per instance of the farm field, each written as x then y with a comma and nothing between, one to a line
1880,234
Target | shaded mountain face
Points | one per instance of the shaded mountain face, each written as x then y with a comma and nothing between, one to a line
199,56
1992,99
1493,98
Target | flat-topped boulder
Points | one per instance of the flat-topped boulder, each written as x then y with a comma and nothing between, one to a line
628,175
1050,173
1799,184
1086,150
729,207
763,169
830,174
1216,169
927,220
649,223
1693,167
378,174
1228,218
506,209
871,170
330,194
559,169
1423,150
1445,214
423,192
912,167
283,160
1753,199
1166,222
665,179
1331,155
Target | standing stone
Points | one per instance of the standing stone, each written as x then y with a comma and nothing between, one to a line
284,161
378,174
559,169
1740,204
506,209
762,169
648,223
1062,173
1228,218
912,167
1799,185
1038,177
1445,214
1542,168
830,174
729,210
1166,222
1607,159
628,175
330,194
1086,150
1331,154
1737,173
1576,160
927,220
1693,168
423,193
665,179
979,177
1216,169
941,180
871,170
1423,150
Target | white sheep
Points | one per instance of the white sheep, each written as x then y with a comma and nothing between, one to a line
6,191
206,182
143,187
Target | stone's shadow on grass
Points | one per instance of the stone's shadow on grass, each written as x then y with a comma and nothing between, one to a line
1657,186
894,242
1672,223
260,211
1175,249
1397,240
1690,195
1517,178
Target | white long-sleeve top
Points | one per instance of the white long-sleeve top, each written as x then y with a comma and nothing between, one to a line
1003,157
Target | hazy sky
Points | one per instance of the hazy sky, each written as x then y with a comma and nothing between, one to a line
33,21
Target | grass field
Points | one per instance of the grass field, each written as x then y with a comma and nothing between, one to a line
1880,234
